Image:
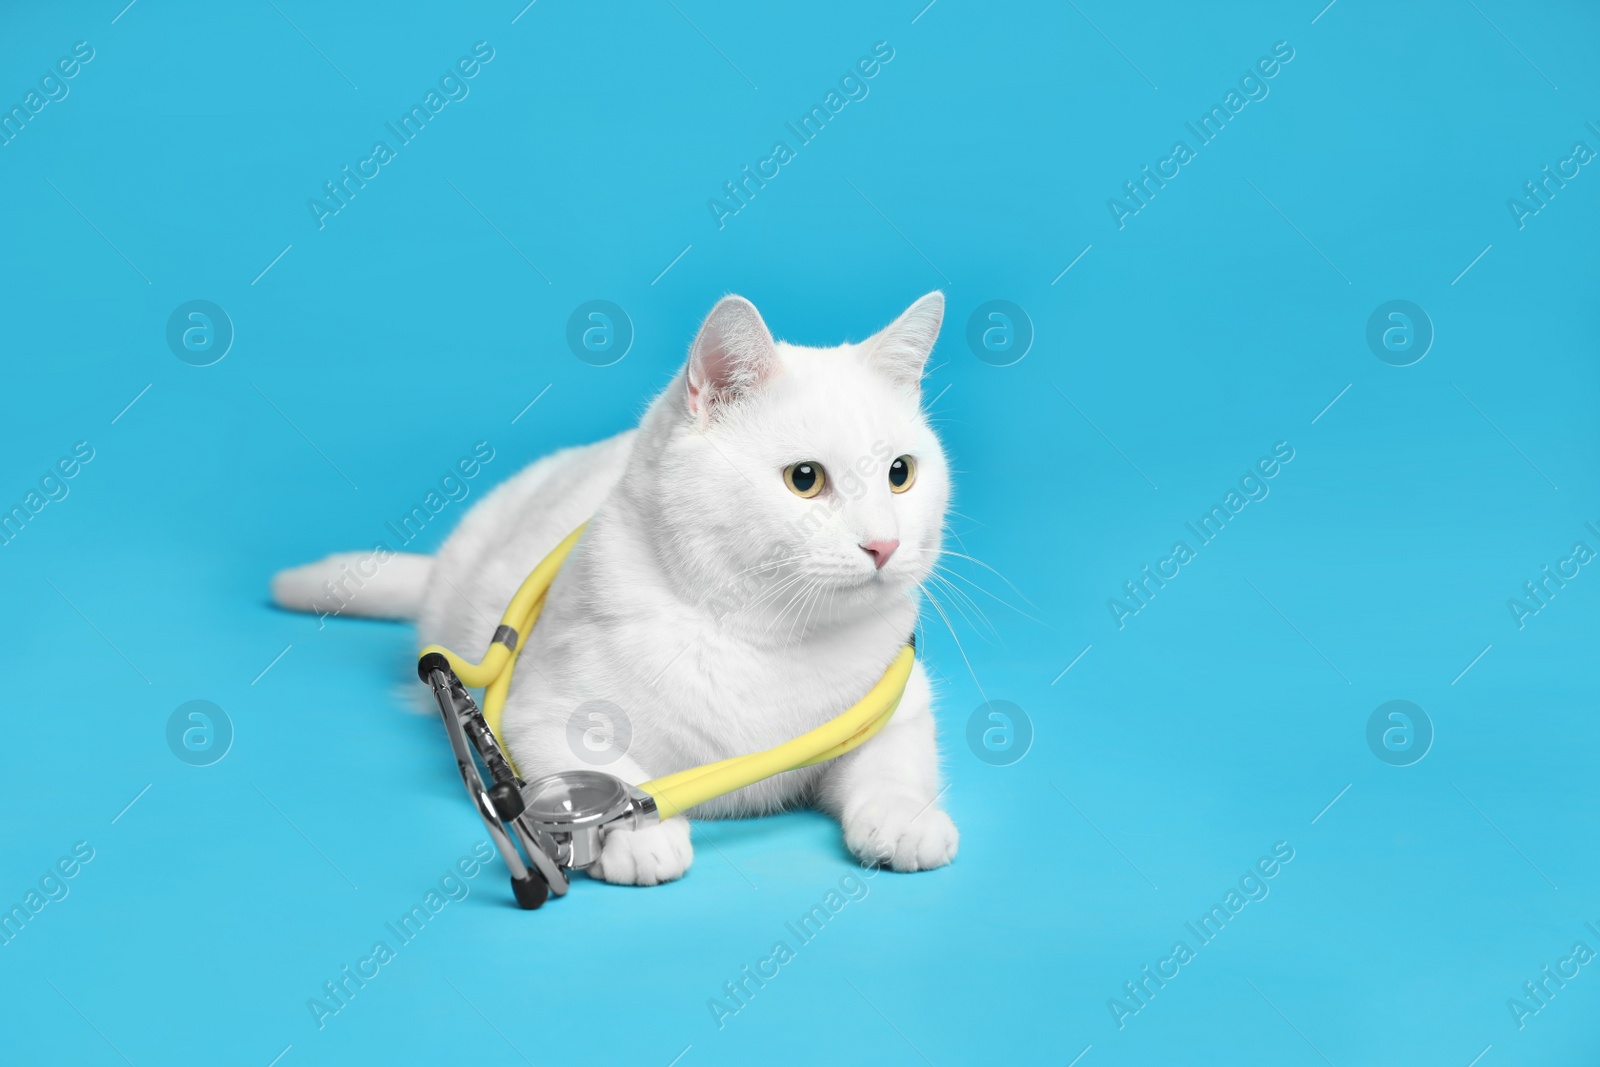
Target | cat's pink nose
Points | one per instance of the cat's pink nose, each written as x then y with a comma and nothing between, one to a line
880,551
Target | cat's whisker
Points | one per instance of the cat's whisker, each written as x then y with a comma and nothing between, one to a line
956,537
791,587
962,602
991,570
961,597
816,611
788,582
953,636
814,598
773,564
955,607
946,579
790,604
798,605
951,573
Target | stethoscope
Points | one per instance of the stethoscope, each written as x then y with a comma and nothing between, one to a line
558,823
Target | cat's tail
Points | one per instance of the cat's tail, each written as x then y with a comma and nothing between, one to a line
356,583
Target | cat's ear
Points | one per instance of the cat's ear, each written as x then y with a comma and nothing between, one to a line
732,355
901,349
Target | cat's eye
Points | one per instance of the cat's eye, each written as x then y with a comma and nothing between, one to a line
805,478
902,472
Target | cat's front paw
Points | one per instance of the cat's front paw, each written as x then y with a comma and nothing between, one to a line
648,856
901,834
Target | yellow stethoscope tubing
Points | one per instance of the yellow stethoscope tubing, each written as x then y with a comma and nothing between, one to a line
493,672
676,793
679,792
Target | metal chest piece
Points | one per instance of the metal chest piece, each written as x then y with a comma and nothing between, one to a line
574,809
541,828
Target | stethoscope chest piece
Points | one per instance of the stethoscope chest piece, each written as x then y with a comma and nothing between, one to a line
574,809
541,828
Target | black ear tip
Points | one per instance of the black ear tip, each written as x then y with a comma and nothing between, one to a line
433,661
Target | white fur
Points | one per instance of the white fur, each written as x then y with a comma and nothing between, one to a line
665,613
356,583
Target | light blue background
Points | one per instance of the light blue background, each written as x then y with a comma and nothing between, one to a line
1223,318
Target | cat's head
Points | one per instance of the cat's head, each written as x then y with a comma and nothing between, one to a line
794,485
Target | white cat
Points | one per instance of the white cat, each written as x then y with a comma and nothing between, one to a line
752,565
